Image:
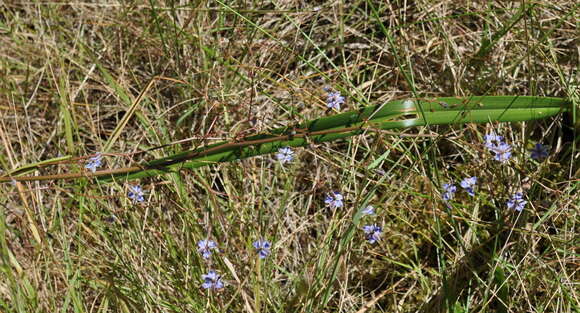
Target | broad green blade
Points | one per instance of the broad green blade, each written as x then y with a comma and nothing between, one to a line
395,114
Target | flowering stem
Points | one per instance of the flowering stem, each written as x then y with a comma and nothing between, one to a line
257,285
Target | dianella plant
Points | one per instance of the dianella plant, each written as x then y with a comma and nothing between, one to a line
399,114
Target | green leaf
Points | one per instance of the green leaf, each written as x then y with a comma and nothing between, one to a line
395,114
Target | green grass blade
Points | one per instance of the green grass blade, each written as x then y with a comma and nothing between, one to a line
66,109
487,44
127,100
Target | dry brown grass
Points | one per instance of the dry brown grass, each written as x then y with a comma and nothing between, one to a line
83,64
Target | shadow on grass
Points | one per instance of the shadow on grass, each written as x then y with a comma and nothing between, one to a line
472,269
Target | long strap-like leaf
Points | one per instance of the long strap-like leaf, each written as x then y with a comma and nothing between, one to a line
395,114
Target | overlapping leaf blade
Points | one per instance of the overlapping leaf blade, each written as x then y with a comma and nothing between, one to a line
391,115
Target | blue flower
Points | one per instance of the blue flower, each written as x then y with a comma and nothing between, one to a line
468,184
503,152
334,200
212,281
285,155
495,144
205,246
449,191
334,100
136,193
369,210
539,152
373,232
491,140
517,202
94,162
263,248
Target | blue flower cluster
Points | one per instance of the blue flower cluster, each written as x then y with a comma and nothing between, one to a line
502,151
467,184
205,247
211,280
372,232
495,144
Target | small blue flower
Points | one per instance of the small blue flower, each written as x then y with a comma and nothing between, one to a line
135,193
263,248
495,144
285,155
212,281
503,152
205,246
449,188
491,140
94,162
517,202
334,100
539,152
468,184
373,232
449,191
369,210
334,200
